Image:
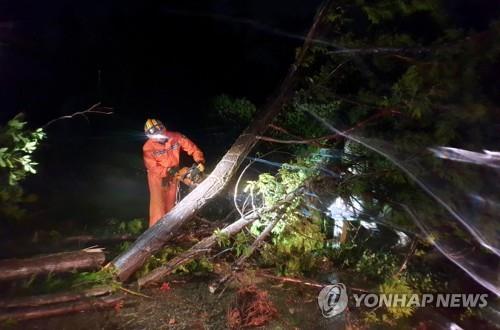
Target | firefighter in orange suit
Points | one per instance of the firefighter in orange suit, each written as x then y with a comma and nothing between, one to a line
161,157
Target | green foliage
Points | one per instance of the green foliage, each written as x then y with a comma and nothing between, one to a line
376,265
241,244
397,286
222,238
132,227
17,144
390,9
105,276
296,238
296,247
122,227
392,316
239,111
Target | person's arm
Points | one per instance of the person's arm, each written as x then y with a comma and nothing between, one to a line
191,149
152,165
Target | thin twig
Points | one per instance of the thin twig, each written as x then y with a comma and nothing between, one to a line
305,282
134,293
92,109
408,256
235,196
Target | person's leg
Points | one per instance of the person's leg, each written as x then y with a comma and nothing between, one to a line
157,198
171,195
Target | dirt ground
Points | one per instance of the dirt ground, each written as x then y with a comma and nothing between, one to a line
188,304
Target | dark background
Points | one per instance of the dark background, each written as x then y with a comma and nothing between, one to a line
162,59
143,57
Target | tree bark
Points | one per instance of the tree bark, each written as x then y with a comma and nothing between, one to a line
155,237
61,309
54,298
11,269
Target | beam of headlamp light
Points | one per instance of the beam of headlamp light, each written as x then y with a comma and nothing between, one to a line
157,136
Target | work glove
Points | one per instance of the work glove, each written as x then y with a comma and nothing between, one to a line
201,167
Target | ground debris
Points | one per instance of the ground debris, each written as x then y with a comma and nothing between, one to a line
252,308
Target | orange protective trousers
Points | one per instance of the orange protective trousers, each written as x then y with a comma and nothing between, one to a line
159,158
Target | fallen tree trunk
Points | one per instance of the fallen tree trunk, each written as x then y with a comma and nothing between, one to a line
54,298
62,309
206,245
11,269
155,237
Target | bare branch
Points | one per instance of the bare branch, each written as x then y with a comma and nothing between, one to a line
380,50
96,108
317,141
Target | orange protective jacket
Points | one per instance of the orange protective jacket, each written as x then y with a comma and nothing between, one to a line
159,158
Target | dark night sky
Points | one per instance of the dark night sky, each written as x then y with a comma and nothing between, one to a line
154,57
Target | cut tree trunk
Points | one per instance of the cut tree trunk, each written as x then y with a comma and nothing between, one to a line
153,239
54,298
11,269
206,245
62,309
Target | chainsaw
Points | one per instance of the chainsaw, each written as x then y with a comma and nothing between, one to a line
190,176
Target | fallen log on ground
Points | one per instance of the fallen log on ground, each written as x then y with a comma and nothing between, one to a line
54,298
62,309
11,269
153,239
206,245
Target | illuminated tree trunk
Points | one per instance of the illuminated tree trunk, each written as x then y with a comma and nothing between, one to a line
155,237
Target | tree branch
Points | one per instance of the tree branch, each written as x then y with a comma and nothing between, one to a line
93,109
380,50
316,141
